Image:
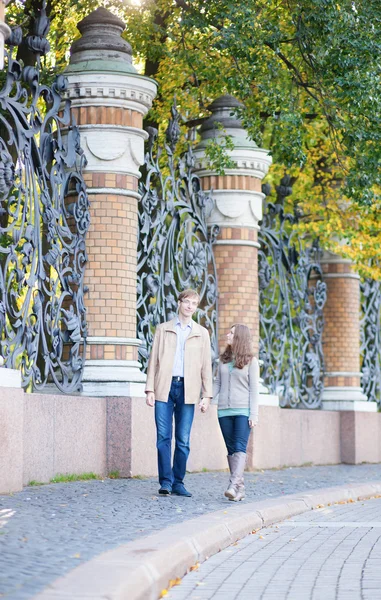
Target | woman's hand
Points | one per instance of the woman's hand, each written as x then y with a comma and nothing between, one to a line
253,423
204,404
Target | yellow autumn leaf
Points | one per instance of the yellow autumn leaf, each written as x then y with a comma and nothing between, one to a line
194,567
163,593
173,582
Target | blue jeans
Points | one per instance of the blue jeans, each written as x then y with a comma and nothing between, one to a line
183,413
236,431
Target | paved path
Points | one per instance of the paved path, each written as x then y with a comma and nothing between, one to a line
47,531
333,553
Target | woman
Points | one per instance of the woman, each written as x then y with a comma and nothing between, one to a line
236,387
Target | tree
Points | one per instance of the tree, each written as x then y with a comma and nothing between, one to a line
307,71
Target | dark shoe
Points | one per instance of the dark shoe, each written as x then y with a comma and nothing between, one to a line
165,490
180,490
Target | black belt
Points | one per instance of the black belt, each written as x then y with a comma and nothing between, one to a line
177,378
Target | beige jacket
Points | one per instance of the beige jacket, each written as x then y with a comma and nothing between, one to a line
197,363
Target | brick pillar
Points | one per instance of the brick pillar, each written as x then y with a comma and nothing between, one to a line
237,209
109,101
341,337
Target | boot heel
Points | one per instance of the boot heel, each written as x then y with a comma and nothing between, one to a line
230,493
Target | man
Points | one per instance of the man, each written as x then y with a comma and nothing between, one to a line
179,368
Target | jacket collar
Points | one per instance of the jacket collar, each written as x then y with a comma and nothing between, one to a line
171,326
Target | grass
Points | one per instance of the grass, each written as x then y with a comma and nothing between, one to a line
34,482
59,478
114,475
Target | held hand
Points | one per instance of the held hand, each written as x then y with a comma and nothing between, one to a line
204,404
150,398
252,423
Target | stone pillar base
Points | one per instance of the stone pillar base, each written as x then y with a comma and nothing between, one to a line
113,378
11,434
265,398
10,378
360,437
346,398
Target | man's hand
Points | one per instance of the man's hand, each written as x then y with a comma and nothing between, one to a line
204,404
150,398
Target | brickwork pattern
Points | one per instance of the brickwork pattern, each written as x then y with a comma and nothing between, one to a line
111,180
231,182
107,115
111,246
111,352
342,381
237,268
341,337
111,272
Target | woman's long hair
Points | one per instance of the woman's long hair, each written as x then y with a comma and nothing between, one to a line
241,350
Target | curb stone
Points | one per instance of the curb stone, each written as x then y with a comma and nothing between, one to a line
141,569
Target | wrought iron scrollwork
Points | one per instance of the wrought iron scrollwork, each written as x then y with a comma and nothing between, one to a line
370,330
44,217
291,299
174,244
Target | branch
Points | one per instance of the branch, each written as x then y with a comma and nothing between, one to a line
298,76
182,4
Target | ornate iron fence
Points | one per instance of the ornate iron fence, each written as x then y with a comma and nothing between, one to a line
174,244
291,299
370,332
44,218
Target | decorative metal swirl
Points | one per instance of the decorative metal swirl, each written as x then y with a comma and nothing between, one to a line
291,302
174,245
44,217
370,331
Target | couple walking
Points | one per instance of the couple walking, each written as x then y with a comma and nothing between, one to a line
179,368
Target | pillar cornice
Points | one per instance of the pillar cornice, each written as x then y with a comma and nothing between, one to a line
100,87
254,162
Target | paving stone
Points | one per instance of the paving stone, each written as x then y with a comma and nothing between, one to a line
347,569
45,531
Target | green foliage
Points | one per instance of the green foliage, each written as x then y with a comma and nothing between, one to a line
307,71
217,153
60,478
114,475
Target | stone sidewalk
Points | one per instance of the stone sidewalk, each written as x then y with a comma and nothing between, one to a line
332,553
46,531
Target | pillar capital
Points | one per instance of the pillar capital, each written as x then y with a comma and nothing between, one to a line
237,194
249,159
109,98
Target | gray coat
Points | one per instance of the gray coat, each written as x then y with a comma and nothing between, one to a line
238,388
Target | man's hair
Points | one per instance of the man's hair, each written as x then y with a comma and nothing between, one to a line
189,293
241,350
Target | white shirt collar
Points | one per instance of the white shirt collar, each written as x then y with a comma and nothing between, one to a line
178,322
